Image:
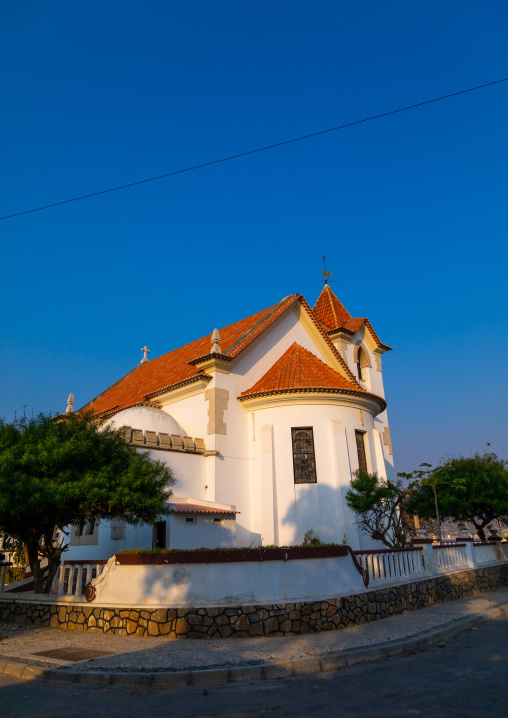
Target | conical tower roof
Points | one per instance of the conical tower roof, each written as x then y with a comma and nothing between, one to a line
329,311
333,316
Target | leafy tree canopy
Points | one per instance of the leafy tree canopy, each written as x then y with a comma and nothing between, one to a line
55,472
471,489
380,508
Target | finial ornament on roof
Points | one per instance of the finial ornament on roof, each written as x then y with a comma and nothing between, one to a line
215,342
146,351
325,273
70,402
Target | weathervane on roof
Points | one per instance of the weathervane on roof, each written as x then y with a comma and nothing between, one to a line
325,273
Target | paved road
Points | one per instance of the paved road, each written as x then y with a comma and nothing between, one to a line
465,678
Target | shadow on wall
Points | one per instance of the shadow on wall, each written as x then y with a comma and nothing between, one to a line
319,508
323,510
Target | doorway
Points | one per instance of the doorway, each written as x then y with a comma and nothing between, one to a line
159,534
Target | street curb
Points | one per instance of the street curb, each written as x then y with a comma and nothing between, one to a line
20,670
263,671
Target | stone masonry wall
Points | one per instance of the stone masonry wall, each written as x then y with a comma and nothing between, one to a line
272,620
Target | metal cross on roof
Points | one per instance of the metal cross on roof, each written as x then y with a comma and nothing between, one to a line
325,273
146,351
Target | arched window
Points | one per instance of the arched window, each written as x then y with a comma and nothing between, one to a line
362,360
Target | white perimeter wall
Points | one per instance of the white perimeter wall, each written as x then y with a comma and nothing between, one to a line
227,584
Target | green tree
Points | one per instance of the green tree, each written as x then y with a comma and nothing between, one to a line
421,484
380,508
54,473
464,489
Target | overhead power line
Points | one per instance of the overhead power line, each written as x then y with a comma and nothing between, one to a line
258,149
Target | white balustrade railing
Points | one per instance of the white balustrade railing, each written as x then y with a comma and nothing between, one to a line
449,556
73,576
390,564
485,553
383,565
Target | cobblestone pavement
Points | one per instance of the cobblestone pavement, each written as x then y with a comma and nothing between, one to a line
19,643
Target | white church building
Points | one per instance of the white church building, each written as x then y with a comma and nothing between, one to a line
262,424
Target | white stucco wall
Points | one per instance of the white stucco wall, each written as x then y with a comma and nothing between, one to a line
190,413
134,537
373,382
202,532
189,471
227,584
179,534
237,474
260,482
285,510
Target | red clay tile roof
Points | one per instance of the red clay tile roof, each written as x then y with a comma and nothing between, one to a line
299,369
176,368
197,509
332,315
329,311
353,324
327,339
173,369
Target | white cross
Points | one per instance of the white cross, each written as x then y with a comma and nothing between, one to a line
146,351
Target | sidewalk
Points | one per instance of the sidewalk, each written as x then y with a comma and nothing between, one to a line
160,661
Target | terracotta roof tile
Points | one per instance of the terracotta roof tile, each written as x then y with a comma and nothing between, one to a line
299,369
173,368
198,509
329,311
331,345
176,368
353,324
332,315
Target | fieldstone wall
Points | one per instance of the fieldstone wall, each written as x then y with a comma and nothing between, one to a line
273,620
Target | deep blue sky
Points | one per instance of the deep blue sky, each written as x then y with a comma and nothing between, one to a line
410,210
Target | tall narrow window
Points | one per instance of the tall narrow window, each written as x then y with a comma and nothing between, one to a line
304,460
359,363
360,445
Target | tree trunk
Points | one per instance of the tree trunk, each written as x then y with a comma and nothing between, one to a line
481,532
43,578
53,554
32,551
53,566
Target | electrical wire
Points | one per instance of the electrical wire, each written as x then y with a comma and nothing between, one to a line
258,149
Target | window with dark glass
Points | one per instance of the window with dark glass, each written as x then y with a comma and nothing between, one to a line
360,446
304,459
359,363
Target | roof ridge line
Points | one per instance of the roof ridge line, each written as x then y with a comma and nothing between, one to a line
331,345
257,324
331,304
109,387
